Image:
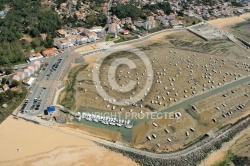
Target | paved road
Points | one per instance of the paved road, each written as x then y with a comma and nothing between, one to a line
37,90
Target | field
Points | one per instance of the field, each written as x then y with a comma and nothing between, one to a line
184,65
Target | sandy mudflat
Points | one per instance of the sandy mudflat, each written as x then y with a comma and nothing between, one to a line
39,145
229,21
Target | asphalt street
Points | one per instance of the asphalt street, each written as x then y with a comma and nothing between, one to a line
42,88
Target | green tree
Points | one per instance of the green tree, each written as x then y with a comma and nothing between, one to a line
15,83
127,10
8,71
4,80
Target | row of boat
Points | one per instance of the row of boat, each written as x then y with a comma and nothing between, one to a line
104,119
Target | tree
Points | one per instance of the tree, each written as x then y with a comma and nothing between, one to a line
8,71
15,83
26,17
127,10
1,6
165,6
4,80
34,32
180,13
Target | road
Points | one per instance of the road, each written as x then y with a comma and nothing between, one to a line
37,90
108,12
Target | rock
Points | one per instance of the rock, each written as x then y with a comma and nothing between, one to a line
4,105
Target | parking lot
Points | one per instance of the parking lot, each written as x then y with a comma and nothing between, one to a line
40,92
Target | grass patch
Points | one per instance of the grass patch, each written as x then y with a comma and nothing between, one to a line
121,39
110,37
219,127
68,101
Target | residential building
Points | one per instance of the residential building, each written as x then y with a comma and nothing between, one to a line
5,87
26,73
62,43
37,63
36,56
150,23
176,23
72,40
43,36
17,77
61,33
81,40
92,36
31,70
113,28
36,67
165,23
170,17
49,52
29,81
21,75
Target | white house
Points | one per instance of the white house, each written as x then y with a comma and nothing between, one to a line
62,43
36,57
81,39
26,73
176,24
72,40
170,17
29,81
17,77
92,36
21,75
36,67
31,69
38,63
148,24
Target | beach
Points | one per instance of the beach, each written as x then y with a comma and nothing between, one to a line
229,21
26,143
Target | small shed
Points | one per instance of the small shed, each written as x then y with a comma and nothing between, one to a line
51,109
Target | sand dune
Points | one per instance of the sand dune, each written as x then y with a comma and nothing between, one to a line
39,145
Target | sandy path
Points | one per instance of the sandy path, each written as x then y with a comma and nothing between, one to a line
88,47
225,22
159,36
39,145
